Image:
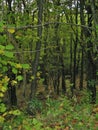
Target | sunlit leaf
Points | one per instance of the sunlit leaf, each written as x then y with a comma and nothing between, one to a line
9,47
3,89
2,107
13,82
32,77
19,77
1,52
8,54
25,66
2,119
14,71
11,30
16,112
18,66
1,95
2,47
38,74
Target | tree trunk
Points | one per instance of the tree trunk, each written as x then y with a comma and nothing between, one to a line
11,88
82,20
38,47
63,76
75,49
91,72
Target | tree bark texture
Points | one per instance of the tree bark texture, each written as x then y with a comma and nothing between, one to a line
38,47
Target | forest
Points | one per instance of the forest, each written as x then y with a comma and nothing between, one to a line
48,65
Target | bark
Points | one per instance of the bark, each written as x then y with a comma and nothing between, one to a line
9,5
45,57
82,20
91,72
11,88
38,47
57,50
75,49
63,76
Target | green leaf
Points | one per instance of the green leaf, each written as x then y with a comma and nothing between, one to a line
2,107
96,116
9,47
1,26
3,89
2,47
25,66
19,77
4,68
14,71
2,119
97,28
8,54
11,30
16,112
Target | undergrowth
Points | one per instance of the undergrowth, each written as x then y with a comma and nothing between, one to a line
54,114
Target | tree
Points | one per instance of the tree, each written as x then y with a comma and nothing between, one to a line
38,47
91,73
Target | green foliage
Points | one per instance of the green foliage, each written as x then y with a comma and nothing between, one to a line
34,106
56,114
91,83
26,66
19,77
7,59
2,107
96,116
37,124
15,112
8,54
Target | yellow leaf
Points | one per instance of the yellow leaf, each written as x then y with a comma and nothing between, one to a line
18,66
1,52
1,95
3,89
11,30
32,77
5,79
13,82
38,74
1,75
4,114
1,119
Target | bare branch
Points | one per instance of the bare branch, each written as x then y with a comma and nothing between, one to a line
43,25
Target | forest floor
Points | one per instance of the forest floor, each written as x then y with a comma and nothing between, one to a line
53,113
48,111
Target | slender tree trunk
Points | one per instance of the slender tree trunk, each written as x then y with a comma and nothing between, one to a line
38,47
82,32
11,88
63,75
75,49
91,72
82,70
9,5
44,68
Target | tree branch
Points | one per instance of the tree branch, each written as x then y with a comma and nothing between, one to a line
43,25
